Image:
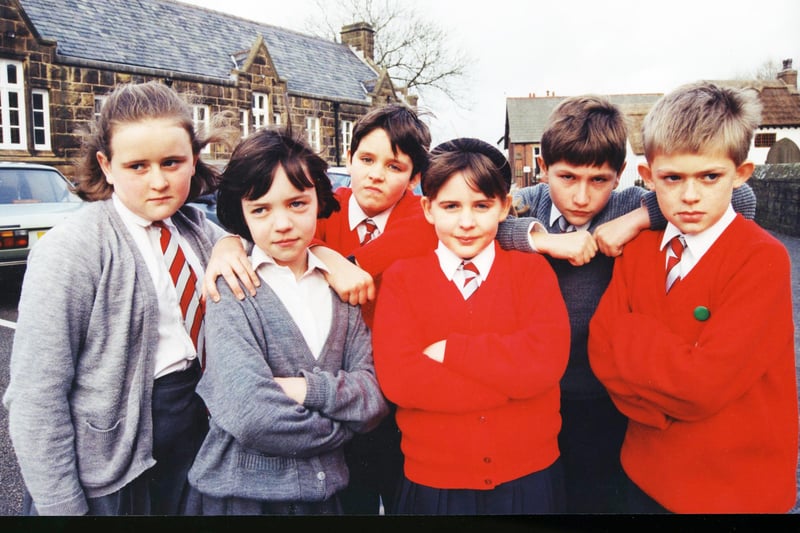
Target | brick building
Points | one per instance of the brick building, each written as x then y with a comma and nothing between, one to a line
58,59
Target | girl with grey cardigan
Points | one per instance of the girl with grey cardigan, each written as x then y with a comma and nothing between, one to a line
270,450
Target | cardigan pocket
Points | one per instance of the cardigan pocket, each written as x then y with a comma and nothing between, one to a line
254,461
102,454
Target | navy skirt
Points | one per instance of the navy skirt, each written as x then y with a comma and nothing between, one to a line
541,492
180,423
203,504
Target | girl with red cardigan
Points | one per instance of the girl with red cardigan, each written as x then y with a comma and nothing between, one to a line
475,375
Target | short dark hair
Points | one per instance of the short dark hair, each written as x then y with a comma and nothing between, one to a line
251,170
405,129
484,166
585,130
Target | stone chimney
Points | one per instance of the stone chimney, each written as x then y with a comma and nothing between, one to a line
788,75
360,36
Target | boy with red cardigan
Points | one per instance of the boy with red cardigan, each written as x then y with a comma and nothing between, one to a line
694,338
473,371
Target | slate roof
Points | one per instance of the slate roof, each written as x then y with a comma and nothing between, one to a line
172,36
526,117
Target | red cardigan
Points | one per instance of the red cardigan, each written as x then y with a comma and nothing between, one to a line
490,413
712,403
407,234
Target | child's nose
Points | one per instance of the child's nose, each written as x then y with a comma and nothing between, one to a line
581,196
157,179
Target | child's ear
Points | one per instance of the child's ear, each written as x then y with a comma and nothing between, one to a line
105,166
509,200
426,208
348,161
414,181
743,173
646,175
542,168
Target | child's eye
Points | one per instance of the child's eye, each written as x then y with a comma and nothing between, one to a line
711,177
298,204
599,179
136,166
395,168
672,177
366,159
483,206
449,206
170,163
566,177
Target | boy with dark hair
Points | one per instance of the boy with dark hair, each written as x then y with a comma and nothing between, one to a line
694,338
583,156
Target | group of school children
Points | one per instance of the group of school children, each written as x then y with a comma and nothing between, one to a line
565,348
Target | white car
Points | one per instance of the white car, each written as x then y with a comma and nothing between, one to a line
33,198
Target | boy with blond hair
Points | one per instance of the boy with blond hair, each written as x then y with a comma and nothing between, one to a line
694,338
583,156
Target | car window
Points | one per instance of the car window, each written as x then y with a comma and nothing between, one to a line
33,186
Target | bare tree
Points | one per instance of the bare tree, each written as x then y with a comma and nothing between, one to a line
413,50
767,71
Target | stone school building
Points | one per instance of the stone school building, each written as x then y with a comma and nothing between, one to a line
59,58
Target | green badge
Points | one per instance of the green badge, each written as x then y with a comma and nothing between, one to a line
701,313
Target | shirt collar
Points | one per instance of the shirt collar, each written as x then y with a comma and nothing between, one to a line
555,213
131,218
356,215
259,257
699,243
449,262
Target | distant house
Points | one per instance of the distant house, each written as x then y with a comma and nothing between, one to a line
58,60
775,141
778,137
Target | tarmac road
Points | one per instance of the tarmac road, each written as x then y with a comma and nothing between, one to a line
11,483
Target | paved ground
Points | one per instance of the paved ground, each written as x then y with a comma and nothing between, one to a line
793,245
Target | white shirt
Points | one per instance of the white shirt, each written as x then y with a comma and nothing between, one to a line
356,215
698,244
449,263
175,350
307,299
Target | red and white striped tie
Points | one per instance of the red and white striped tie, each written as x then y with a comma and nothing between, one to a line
471,279
370,226
674,252
185,281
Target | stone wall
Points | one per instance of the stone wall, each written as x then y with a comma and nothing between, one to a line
777,188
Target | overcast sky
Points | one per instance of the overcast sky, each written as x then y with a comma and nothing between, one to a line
574,47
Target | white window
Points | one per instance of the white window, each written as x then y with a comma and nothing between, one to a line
98,105
347,136
312,132
244,122
276,119
200,116
12,106
260,110
40,115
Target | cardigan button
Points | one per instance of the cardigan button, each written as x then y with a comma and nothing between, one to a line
487,481
481,419
487,460
701,313
321,476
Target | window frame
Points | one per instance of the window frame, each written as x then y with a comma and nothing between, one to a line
44,111
7,128
313,133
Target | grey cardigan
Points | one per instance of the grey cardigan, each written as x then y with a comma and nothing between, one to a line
261,444
82,362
